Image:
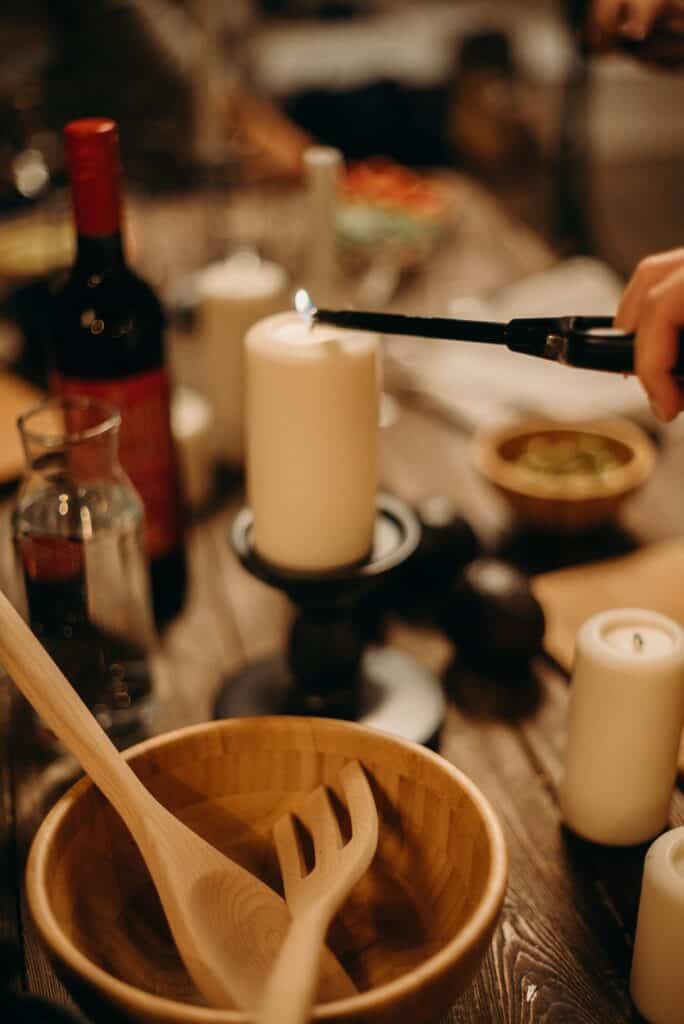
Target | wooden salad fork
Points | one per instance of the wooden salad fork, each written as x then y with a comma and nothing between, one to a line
314,898
227,924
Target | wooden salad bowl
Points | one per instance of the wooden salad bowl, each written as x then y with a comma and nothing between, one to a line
566,499
411,935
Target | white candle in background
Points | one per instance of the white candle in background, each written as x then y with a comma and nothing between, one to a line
657,978
233,295
312,442
624,726
322,168
191,422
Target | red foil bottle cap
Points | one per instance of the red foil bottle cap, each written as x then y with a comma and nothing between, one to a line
92,153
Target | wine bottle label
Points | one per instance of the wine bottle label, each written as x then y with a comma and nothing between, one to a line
146,449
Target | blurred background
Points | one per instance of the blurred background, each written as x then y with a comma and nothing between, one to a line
589,150
585,149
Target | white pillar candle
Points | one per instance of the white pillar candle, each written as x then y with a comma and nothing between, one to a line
322,166
624,726
657,978
312,442
233,295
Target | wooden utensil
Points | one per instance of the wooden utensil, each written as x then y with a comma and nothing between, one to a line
412,933
227,924
314,898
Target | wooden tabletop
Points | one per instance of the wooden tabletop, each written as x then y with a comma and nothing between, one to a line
562,950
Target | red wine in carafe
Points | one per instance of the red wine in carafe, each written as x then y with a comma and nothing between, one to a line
81,597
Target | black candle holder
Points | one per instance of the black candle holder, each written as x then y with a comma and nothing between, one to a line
336,665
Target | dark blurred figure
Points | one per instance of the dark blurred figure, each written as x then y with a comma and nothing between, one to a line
132,61
125,60
137,61
469,119
486,129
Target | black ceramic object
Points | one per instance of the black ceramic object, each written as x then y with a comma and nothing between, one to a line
448,541
447,544
493,616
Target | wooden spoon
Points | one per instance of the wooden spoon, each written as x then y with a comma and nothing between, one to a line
227,924
315,898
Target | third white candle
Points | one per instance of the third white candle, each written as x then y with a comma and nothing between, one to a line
656,980
624,726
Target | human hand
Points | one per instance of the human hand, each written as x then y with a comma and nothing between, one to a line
623,19
652,306
652,30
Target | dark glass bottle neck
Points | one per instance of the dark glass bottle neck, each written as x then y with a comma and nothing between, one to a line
101,254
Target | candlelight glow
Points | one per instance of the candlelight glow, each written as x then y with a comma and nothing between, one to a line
303,304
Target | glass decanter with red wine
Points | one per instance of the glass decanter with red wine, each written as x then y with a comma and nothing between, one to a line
78,537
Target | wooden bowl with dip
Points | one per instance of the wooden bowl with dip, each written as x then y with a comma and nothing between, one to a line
411,935
565,476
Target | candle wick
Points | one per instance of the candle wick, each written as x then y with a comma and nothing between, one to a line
638,641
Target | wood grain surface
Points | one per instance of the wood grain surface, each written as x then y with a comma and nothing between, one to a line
562,951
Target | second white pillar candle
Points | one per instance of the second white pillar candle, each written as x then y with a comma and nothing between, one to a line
312,442
624,726
233,295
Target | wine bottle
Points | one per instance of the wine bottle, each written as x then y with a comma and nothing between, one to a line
109,344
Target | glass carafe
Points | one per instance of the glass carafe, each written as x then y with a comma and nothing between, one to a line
78,537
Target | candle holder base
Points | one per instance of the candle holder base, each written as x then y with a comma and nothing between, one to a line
395,693
334,666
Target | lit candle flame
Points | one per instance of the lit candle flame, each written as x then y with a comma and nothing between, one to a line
638,641
303,304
